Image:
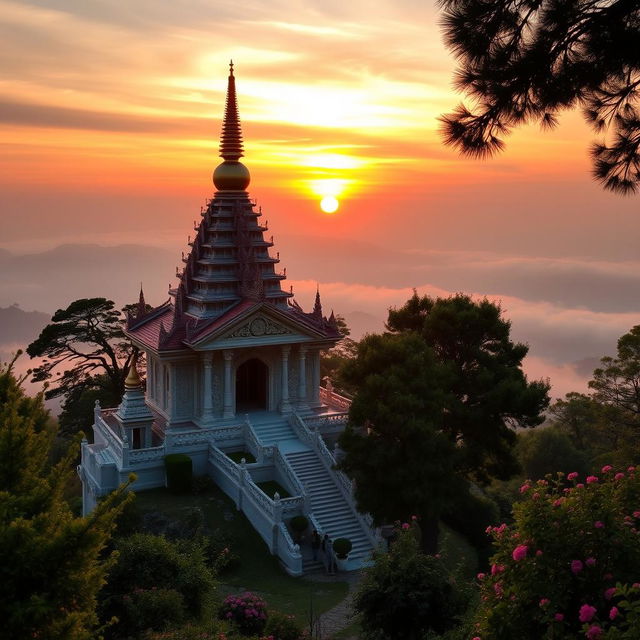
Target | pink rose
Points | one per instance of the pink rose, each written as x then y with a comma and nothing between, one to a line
613,614
576,566
525,487
573,475
538,553
405,526
481,576
580,485
606,468
590,562
520,552
609,593
544,602
592,479
636,514
619,476
559,617
587,612
598,524
594,632
496,568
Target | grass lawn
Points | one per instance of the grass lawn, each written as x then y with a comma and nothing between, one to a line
259,571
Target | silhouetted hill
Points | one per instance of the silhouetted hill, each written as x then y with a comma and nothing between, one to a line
18,327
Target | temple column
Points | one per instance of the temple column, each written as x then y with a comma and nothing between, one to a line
207,386
228,411
285,406
315,379
302,377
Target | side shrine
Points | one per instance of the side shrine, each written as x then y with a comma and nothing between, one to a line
233,365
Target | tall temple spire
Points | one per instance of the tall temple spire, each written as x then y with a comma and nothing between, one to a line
231,175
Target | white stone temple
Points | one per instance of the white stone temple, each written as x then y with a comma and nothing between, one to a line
233,365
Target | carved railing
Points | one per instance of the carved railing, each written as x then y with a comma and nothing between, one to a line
223,461
288,550
227,433
142,456
286,469
332,422
300,429
334,400
113,441
251,439
292,506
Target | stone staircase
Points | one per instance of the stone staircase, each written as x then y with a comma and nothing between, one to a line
331,510
273,430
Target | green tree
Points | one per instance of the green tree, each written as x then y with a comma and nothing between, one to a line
436,405
333,360
52,564
488,395
407,594
86,357
525,61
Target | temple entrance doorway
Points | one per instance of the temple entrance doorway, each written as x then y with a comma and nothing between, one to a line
252,378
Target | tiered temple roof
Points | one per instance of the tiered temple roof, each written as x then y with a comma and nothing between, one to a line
229,269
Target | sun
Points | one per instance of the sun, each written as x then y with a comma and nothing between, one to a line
329,204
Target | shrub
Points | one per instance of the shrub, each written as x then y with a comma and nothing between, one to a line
564,567
146,561
407,594
283,627
299,524
342,546
179,471
246,611
155,609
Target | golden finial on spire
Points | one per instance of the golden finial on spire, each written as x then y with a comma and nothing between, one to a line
133,379
231,175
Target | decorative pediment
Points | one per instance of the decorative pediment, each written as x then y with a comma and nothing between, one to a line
257,327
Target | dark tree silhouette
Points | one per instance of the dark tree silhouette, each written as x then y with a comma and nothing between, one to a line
526,60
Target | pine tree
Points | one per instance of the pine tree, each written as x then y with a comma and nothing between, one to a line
52,564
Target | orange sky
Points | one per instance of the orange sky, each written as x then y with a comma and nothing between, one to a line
109,122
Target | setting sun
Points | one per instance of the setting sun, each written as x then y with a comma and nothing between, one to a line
329,204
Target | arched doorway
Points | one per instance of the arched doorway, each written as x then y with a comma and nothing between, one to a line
252,378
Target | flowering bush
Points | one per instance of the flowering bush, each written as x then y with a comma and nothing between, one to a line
281,626
247,612
569,566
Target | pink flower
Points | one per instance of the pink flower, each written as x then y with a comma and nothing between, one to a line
636,514
636,585
631,469
572,476
559,617
544,602
414,518
558,502
481,576
405,526
606,468
598,524
496,568
587,612
525,487
520,552
476,638
619,476
613,614
539,553
609,593
576,566
590,562
592,479
580,485
594,632
497,587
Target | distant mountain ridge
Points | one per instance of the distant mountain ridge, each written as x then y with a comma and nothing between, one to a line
18,327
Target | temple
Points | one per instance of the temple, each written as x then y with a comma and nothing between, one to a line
233,368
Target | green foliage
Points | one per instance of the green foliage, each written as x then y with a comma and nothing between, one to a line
154,608
179,468
342,547
406,594
548,450
572,544
333,360
283,627
147,563
299,523
436,404
53,563
524,62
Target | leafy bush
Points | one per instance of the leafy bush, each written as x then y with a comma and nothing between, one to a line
219,551
564,568
146,561
179,470
342,546
299,524
282,626
246,611
407,594
155,609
